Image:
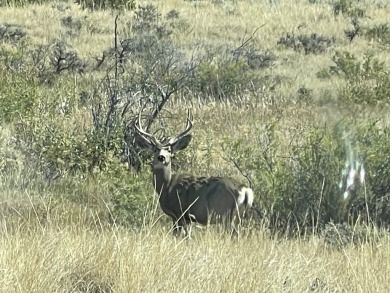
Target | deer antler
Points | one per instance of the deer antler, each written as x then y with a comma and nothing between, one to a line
147,136
186,130
153,140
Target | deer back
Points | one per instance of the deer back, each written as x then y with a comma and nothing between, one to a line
200,197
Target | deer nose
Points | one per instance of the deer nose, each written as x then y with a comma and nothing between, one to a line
161,158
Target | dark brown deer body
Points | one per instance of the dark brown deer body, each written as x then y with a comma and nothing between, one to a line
186,198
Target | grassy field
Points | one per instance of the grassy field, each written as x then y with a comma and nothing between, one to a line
76,258
102,231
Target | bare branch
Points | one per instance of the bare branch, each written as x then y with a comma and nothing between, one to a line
235,163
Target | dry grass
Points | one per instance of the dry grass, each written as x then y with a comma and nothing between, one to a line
76,258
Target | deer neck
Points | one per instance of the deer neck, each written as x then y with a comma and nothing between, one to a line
162,177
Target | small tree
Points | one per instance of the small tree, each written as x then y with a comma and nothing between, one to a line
146,71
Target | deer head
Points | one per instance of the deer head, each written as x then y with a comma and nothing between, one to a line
163,152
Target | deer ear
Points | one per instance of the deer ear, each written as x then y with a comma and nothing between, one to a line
181,143
142,142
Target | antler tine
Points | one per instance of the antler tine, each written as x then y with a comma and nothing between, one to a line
188,124
139,127
145,134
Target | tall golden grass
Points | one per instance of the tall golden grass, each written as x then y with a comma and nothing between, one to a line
54,257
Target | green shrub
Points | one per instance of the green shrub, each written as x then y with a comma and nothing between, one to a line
297,183
305,96
18,97
367,80
107,4
147,69
227,73
57,148
224,80
374,196
298,190
21,3
132,196
58,152
308,44
379,33
44,63
73,25
347,8
11,33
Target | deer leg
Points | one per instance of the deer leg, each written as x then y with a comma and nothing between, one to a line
187,230
183,225
234,222
176,228
179,226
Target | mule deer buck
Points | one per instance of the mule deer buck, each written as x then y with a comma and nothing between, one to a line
186,198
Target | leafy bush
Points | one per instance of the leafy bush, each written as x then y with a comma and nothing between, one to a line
373,198
52,149
224,80
297,183
107,4
348,8
10,33
45,62
379,33
305,95
226,73
309,44
18,97
367,81
298,191
74,25
132,196
21,3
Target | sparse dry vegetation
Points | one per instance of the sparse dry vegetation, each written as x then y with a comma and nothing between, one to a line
291,96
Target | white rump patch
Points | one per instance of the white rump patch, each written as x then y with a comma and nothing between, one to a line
245,195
